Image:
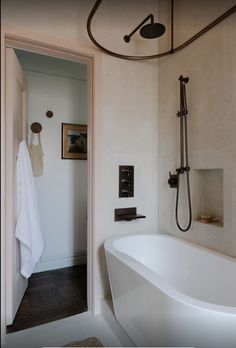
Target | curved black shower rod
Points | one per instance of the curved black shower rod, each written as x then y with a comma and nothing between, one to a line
172,49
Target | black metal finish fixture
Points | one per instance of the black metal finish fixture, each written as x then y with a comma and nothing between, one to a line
127,214
150,31
173,180
126,181
184,167
49,114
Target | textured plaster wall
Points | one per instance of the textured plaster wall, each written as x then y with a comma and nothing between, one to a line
125,122
210,63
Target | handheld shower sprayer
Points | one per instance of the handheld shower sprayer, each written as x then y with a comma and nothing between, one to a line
174,179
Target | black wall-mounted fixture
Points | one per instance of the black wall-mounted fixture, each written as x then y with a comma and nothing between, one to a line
174,179
127,214
126,181
148,31
36,127
49,114
154,30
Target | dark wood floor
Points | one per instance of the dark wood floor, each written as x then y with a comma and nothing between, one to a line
52,295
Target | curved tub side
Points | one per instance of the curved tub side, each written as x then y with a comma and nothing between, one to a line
194,275
153,318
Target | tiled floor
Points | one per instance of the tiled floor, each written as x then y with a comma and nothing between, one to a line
52,295
58,333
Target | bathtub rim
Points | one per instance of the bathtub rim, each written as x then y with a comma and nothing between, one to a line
159,282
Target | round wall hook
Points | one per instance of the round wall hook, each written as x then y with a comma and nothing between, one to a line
49,113
36,127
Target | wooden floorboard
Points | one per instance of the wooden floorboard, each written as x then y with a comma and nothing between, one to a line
51,296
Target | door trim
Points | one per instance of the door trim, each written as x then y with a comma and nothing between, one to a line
85,57
15,283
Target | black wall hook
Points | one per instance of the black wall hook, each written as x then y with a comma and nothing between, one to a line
36,127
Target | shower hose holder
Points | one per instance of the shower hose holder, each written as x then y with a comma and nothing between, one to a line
174,178
181,170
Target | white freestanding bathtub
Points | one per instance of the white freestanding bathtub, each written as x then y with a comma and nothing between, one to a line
169,292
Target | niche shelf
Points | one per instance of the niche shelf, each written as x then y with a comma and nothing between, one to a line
208,196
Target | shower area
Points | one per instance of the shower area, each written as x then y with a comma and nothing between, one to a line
199,203
56,126
202,64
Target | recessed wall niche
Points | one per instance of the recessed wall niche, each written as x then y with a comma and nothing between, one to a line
208,196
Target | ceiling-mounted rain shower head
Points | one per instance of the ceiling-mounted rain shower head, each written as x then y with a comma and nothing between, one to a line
152,30
148,31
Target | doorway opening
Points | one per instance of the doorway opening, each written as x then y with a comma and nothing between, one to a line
56,97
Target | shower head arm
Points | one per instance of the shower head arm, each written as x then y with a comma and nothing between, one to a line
111,53
127,37
162,54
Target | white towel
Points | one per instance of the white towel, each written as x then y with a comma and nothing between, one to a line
28,222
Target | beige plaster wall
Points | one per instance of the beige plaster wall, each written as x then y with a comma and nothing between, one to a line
210,63
125,114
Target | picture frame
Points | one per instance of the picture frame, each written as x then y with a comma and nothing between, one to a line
74,141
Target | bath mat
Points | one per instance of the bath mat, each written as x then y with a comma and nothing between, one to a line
87,342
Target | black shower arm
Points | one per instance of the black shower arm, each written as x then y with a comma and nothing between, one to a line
127,37
159,55
111,53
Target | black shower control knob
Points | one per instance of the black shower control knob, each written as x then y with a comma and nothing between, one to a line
126,171
125,181
173,180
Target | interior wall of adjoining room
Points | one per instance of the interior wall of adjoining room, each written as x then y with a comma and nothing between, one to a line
62,189
210,65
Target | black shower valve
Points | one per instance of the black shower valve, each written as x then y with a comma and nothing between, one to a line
173,180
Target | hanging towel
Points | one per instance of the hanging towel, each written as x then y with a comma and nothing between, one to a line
28,223
36,154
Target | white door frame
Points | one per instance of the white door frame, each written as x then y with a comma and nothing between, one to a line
88,58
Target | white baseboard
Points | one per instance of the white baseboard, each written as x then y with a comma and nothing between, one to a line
61,261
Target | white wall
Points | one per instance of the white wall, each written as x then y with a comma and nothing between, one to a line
125,113
62,189
210,63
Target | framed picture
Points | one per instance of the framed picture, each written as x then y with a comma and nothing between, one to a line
74,141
